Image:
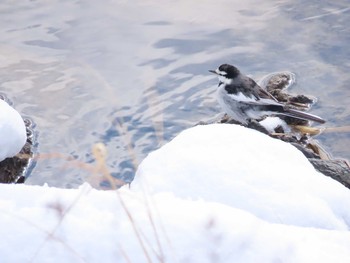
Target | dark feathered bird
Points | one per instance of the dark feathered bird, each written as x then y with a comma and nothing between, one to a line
243,99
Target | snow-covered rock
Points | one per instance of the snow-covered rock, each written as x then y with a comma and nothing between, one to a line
13,134
246,169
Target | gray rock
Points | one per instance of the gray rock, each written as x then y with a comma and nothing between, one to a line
339,170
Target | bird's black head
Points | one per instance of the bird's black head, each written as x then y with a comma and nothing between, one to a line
231,71
226,71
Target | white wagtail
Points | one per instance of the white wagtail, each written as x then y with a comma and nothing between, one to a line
243,99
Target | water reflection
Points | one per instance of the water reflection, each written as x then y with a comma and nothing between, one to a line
133,75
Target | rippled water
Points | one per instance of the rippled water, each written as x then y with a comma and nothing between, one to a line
133,74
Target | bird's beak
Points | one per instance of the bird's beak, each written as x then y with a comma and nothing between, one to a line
213,71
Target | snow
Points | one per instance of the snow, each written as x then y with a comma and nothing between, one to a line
271,123
12,130
246,169
215,193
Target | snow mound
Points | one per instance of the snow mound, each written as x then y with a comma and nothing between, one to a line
246,169
218,193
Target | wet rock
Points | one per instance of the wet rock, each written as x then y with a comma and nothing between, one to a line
301,99
339,170
13,170
307,152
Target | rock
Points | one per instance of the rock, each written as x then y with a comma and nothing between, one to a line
12,130
13,169
339,170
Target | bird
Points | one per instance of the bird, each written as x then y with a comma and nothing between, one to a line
244,100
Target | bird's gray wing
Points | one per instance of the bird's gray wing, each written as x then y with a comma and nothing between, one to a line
257,91
263,102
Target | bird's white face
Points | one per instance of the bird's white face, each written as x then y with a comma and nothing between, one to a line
222,76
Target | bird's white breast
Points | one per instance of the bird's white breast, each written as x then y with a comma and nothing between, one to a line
230,105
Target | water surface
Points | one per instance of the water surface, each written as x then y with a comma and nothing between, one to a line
133,74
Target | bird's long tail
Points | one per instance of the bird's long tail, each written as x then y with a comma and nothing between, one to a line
303,115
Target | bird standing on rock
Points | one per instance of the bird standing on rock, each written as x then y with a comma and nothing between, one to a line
244,100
